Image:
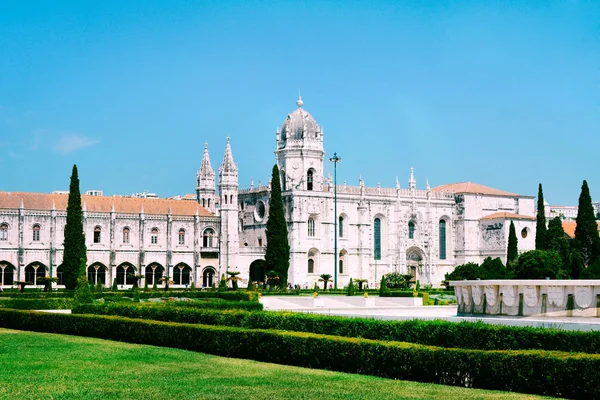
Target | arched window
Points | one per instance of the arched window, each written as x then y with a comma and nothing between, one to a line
59,275
203,202
342,261
207,237
341,226
309,180
442,239
313,261
36,233
154,236
411,230
153,274
225,199
97,234
182,236
3,232
230,199
377,239
181,274
125,235
311,227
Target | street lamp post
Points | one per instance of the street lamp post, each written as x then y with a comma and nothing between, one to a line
335,160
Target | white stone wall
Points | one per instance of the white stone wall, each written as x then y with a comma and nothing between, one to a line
111,251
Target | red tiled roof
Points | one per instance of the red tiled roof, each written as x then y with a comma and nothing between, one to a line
569,227
470,187
44,201
507,215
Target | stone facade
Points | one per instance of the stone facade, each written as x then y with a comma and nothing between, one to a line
425,232
124,237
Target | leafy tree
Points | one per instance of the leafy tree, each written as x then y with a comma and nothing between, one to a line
277,254
540,226
576,264
468,271
586,232
316,288
538,264
592,272
492,269
396,280
351,288
74,243
556,240
325,278
512,252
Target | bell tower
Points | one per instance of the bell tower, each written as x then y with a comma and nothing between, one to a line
205,183
300,151
228,210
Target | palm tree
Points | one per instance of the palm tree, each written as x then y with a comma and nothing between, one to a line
272,278
325,278
167,280
234,278
360,282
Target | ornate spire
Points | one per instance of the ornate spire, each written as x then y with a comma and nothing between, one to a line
412,183
299,102
427,184
397,183
228,164
205,167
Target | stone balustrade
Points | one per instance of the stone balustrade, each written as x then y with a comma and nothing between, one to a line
560,298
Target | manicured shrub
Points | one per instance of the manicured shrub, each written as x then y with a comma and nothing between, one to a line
83,294
351,288
526,371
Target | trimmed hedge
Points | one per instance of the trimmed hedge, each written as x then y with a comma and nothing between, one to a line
536,372
466,335
192,294
37,294
217,305
38,304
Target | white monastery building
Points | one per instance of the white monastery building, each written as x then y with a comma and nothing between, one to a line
424,232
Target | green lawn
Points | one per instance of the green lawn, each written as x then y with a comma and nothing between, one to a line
47,366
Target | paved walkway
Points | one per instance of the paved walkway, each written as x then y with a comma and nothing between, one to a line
447,313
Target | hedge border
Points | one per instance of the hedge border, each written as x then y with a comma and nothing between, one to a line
529,371
57,303
466,335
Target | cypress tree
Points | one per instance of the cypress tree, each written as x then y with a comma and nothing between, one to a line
540,226
512,252
277,257
74,258
556,240
586,239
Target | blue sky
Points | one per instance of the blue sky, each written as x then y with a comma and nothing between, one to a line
505,94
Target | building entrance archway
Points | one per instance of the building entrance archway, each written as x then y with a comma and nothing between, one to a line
257,271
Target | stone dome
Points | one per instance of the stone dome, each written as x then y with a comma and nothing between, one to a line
299,124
